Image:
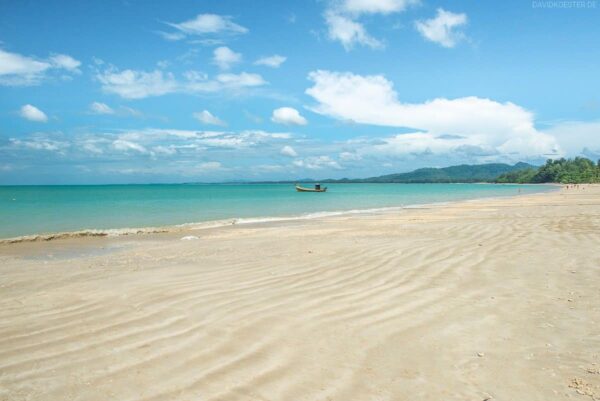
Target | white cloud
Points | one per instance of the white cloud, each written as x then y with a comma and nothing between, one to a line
126,146
41,143
442,28
288,151
225,58
204,24
341,18
66,62
348,32
210,166
167,154
163,64
19,70
288,116
157,143
122,111
578,138
128,111
32,113
16,64
349,156
207,117
317,163
203,139
101,108
164,150
208,42
484,123
131,84
268,168
418,143
273,61
172,36
375,6
92,146
240,80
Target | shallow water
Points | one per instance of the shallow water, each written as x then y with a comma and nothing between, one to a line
27,210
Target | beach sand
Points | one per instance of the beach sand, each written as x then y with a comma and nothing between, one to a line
489,299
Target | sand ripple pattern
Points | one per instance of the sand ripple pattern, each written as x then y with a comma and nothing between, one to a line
494,298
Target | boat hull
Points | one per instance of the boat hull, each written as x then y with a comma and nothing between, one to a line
302,189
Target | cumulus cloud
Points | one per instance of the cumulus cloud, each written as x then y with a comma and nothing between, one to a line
18,65
443,28
342,19
288,116
422,143
348,32
288,151
502,127
65,62
273,61
204,24
206,117
132,84
101,108
19,70
225,58
32,113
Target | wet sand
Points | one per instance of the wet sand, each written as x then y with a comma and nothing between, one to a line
490,299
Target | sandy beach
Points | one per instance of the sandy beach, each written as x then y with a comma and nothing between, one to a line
489,299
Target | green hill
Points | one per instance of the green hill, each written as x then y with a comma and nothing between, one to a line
461,173
577,170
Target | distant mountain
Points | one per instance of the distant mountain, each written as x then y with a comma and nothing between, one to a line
462,173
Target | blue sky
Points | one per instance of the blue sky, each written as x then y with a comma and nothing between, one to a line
140,91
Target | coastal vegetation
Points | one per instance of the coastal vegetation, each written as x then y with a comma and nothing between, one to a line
566,171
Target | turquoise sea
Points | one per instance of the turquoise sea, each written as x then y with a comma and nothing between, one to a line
26,210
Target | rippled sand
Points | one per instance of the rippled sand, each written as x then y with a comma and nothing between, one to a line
491,299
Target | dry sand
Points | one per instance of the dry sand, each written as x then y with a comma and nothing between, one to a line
491,299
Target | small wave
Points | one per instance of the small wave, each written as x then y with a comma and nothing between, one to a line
204,225
113,232
117,232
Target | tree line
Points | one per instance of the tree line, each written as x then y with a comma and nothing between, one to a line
566,171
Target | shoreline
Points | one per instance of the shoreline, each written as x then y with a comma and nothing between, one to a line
208,224
477,299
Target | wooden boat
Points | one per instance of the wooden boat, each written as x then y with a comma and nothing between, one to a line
317,188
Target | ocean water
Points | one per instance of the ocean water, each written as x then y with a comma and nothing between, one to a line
27,210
